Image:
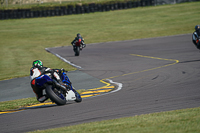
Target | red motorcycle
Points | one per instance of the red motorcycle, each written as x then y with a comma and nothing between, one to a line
78,46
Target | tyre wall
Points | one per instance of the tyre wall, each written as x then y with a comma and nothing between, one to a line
60,11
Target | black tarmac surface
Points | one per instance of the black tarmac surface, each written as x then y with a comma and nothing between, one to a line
151,83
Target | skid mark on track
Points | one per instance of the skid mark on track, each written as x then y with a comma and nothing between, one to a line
95,92
173,60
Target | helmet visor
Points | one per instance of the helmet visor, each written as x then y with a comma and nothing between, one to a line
37,63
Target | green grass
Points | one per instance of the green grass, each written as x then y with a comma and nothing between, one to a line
24,40
17,104
178,121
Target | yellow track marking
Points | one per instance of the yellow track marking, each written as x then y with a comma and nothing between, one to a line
97,91
40,104
12,111
174,60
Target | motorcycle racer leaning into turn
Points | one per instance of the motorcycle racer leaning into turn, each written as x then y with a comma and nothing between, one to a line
37,73
78,38
196,36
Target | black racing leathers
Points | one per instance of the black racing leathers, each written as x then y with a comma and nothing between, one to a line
196,37
77,39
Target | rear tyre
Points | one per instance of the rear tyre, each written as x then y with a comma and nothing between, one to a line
55,95
77,51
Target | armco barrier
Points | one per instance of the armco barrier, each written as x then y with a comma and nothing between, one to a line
59,11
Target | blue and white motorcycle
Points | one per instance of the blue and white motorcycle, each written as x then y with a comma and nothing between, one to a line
59,96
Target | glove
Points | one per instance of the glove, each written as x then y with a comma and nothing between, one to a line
67,86
84,45
64,84
63,70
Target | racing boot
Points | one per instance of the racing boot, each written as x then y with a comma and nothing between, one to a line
43,98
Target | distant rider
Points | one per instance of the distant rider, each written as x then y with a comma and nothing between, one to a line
195,36
78,38
37,73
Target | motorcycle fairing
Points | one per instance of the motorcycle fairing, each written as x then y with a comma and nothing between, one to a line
70,96
78,43
65,79
40,81
71,93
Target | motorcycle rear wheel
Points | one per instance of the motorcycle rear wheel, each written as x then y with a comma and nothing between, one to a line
55,96
77,51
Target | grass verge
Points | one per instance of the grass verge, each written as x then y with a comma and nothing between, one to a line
16,104
178,121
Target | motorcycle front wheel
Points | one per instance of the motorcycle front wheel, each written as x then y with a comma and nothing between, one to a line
78,96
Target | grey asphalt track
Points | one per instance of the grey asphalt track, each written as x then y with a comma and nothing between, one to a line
152,82
19,88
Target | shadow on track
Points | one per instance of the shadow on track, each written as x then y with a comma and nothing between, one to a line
189,61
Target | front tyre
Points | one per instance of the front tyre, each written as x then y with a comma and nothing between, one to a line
78,96
55,95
